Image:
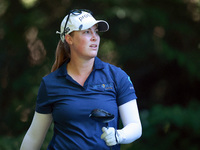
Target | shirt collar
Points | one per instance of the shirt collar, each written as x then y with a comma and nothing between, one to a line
62,71
98,64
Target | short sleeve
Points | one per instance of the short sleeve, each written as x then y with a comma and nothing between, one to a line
125,89
42,104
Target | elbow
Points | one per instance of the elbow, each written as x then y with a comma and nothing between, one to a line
131,133
139,131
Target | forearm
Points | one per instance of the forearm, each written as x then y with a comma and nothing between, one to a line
129,133
126,135
132,129
30,143
37,132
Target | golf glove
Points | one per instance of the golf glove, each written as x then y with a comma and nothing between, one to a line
128,134
111,136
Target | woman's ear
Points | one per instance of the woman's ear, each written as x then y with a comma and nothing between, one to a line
68,39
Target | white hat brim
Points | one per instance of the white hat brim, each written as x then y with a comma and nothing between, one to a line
103,26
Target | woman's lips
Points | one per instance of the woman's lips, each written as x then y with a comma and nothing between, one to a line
93,46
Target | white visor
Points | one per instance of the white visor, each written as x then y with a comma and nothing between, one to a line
82,21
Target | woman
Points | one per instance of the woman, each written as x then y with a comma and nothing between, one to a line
79,83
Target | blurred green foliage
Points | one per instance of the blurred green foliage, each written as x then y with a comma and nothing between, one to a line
171,128
156,42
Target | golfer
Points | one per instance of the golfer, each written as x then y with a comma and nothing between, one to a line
79,83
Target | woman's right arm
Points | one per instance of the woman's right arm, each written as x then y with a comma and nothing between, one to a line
36,132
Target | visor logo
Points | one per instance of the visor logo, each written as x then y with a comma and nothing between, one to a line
80,27
84,17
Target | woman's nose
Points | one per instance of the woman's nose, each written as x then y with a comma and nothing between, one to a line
94,36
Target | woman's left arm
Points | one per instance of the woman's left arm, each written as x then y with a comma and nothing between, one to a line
132,129
131,121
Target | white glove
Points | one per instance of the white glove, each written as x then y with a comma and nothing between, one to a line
132,129
110,136
128,134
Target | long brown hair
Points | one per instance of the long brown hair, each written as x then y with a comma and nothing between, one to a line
62,54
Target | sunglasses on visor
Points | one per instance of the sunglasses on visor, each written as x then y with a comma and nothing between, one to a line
75,12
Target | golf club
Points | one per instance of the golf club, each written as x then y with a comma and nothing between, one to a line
102,116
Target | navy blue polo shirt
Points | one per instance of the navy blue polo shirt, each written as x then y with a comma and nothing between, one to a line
107,87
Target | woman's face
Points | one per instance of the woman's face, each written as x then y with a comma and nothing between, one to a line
84,44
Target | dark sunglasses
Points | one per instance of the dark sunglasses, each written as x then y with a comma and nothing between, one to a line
75,12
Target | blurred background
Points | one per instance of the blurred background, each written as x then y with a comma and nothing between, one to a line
156,42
